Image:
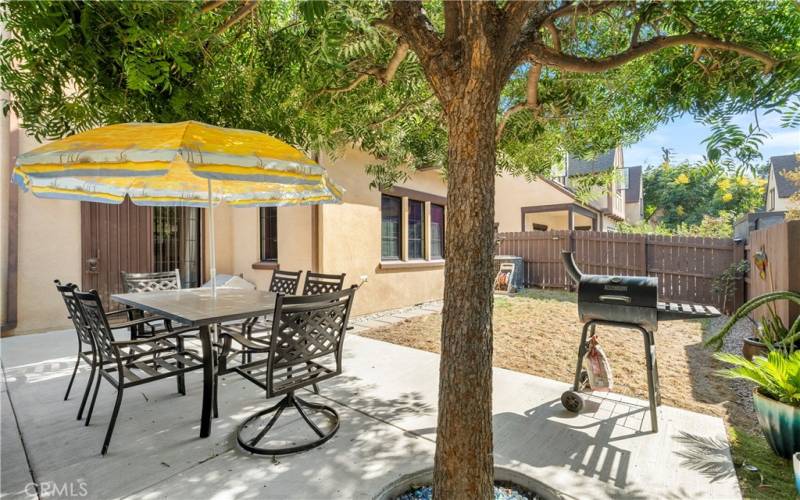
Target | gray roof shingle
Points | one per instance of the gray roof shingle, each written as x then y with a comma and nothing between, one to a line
576,166
781,164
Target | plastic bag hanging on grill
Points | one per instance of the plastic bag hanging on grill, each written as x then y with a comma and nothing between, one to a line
597,367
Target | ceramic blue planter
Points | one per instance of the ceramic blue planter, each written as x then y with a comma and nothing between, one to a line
780,424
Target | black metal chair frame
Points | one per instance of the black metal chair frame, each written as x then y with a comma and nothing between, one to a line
285,282
154,358
86,346
306,330
319,283
152,282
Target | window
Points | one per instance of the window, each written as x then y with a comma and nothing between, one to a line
771,199
176,242
626,178
416,229
391,216
268,228
437,231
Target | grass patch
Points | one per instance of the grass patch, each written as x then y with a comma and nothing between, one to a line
774,479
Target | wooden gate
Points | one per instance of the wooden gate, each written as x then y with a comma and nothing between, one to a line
114,238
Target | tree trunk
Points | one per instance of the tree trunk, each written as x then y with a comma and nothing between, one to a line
464,461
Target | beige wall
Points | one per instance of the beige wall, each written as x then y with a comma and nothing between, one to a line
49,248
781,204
5,186
554,221
294,242
513,193
633,212
351,238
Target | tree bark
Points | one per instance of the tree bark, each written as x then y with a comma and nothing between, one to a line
464,461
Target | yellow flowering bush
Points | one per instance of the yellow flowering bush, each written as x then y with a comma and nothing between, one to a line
727,197
682,179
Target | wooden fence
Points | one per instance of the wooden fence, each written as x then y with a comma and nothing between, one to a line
780,244
685,266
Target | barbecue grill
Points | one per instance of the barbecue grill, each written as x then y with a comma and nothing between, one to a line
625,302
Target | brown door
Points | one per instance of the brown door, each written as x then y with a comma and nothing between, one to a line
114,238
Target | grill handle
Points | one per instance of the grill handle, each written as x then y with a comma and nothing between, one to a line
615,298
569,265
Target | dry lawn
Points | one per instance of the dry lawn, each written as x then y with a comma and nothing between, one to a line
538,333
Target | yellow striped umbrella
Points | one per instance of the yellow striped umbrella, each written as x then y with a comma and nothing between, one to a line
174,164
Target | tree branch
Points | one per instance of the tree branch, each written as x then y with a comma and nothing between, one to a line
210,5
549,57
638,26
399,111
384,75
407,19
551,27
245,10
531,102
583,8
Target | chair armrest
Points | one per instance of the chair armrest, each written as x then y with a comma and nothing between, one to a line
148,340
253,344
120,311
128,324
183,330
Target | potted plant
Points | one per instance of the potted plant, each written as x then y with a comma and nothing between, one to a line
771,332
776,397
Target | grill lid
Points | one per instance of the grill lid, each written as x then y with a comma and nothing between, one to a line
635,291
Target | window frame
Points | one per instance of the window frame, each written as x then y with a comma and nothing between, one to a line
267,225
400,231
443,253
421,239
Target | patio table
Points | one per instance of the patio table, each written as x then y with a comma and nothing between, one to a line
198,307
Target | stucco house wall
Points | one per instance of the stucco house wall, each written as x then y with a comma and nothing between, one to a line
348,239
351,238
513,193
49,246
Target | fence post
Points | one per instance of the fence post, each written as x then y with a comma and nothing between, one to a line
643,253
739,292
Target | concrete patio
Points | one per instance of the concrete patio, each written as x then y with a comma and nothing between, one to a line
387,402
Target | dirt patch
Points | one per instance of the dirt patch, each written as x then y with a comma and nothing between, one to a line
537,332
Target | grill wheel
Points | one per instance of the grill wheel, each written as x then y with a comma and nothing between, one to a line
572,401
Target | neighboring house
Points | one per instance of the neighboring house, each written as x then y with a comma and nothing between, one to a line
779,188
544,204
393,238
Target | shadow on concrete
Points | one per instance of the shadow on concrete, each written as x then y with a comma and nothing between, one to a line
709,456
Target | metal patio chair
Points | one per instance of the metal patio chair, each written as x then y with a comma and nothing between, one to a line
86,347
129,363
285,282
318,283
304,347
151,282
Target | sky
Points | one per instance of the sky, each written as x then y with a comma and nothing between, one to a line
684,136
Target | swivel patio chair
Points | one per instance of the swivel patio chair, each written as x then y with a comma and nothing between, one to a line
131,363
86,347
304,347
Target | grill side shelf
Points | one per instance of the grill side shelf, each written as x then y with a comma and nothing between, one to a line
668,311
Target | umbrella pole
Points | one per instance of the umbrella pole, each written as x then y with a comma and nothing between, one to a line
213,242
